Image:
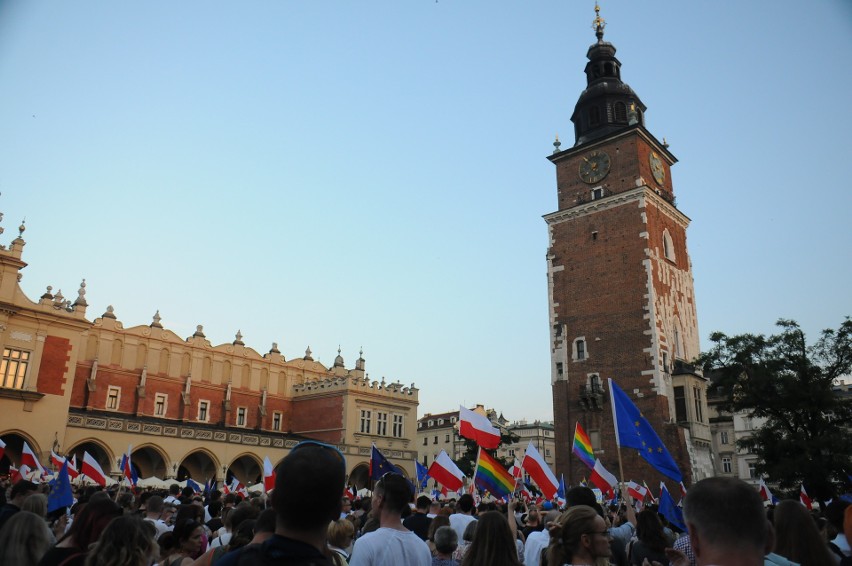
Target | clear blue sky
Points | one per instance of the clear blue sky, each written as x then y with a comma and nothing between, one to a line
373,173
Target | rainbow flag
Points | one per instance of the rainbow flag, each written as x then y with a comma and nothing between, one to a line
493,477
583,446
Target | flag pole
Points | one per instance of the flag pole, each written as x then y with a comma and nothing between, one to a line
617,439
475,467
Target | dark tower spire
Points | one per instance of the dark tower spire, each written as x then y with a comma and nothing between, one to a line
607,105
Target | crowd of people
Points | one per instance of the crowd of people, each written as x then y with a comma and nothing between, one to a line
305,521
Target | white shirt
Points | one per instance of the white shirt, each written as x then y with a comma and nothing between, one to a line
390,547
459,522
843,544
536,542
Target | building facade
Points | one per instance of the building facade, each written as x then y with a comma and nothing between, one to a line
620,287
187,407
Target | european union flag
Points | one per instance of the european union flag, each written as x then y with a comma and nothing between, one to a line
422,474
60,490
634,431
670,511
195,487
379,465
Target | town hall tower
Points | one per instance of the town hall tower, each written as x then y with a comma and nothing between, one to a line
620,287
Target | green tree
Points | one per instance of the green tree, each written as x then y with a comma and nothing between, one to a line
807,437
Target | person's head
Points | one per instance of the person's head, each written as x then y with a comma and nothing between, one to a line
580,535
187,533
245,511
215,508
533,517
21,490
446,540
308,486
24,539
725,516
649,530
340,533
470,531
465,503
438,521
345,505
188,511
125,541
435,507
392,493
580,495
174,490
91,521
265,524
168,513
834,514
36,503
154,506
422,504
493,543
797,537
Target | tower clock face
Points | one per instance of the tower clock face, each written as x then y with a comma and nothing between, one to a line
657,168
594,166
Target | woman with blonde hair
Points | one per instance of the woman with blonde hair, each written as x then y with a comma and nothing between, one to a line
340,535
24,539
579,537
127,541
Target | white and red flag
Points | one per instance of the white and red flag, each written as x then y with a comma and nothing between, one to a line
765,494
268,475
478,428
604,480
803,497
650,493
540,472
444,471
92,470
28,457
58,460
516,470
636,491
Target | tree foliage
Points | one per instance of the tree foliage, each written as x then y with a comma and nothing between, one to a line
807,437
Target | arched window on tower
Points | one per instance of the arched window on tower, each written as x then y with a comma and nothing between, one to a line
620,112
594,116
609,70
580,352
668,246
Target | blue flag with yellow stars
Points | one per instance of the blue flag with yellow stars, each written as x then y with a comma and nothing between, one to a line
634,431
379,465
422,474
60,490
669,510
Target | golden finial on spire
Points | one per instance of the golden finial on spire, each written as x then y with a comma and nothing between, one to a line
598,24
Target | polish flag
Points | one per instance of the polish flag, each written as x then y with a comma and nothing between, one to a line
478,428
650,493
444,471
516,470
58,461
268,475
540,472
225,489
28,457
803,497
636,491
15,473
765,494
2,448
92,470
682,490
604,480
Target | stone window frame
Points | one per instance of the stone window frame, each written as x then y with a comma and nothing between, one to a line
110,397
18,379
242,415
398,426
277,420
668,246
161,404
381,423
575,349
207,405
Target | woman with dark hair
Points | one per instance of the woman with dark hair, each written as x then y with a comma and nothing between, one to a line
186,542
493,543
127,541
580,536
89,523
651,543
797,537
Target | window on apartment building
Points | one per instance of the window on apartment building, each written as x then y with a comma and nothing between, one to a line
747,423
440,422
160,404
276,421
436,440
425,459
419,424
752,470
431,423
366,418
511,453
425,441
241,416
447,439
580,349
547,452
680,404
726,465
699,414
397,426
723,437
382,424
13,368
113,396
452,420
204,411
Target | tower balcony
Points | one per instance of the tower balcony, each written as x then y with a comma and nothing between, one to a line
591,397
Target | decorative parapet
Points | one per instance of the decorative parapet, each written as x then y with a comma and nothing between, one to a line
396,389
